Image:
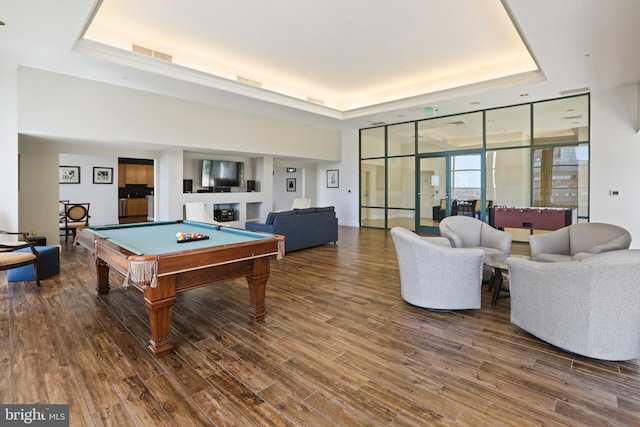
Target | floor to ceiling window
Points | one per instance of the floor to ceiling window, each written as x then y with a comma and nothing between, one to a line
415,173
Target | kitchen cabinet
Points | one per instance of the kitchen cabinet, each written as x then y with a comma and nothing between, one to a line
136,174
149,176
122,175
137,206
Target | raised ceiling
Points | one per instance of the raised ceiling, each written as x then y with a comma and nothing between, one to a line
347,56
578,46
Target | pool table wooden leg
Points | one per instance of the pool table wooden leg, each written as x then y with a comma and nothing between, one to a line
257,288
159,302
102,277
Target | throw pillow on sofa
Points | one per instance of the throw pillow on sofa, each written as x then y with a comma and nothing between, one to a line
272,216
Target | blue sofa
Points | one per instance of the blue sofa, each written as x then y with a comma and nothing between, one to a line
302,228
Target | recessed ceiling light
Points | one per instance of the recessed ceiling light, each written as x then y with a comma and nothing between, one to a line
1,23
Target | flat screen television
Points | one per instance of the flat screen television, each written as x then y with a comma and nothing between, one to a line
221,173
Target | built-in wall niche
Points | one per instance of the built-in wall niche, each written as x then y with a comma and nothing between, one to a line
254,211
226,212
222,173
248,179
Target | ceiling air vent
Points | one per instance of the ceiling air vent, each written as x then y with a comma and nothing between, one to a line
315,100
249,82
152,53
377,123
458,123
574,91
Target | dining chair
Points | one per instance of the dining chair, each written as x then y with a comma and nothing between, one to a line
76,215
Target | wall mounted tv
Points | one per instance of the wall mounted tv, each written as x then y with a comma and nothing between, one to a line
220,173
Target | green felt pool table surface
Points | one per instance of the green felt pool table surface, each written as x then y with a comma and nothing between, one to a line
158,238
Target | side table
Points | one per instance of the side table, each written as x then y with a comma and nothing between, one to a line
38,240
498,264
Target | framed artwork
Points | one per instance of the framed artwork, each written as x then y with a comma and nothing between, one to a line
102,175
69,174
333,178
291,184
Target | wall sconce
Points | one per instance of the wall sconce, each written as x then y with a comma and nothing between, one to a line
290,170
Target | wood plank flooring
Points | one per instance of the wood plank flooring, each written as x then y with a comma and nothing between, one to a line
338,347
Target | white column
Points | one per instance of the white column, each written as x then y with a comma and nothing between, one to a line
9,147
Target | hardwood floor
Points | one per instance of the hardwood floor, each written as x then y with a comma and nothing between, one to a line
338,347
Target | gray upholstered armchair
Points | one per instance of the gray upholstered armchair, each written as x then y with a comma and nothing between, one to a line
578,241
587,306
468,232
436,276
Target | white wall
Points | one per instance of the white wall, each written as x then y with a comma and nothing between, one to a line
55,104
282,196
103,197
615,159
9,207
345,198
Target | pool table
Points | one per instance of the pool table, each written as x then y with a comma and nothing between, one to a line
151,259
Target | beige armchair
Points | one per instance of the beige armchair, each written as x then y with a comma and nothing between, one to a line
301,203
436,276
10,259
469,232
588,306
578,241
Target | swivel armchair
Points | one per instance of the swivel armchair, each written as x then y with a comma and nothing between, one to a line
434,275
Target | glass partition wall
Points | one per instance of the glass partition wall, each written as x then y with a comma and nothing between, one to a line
414,174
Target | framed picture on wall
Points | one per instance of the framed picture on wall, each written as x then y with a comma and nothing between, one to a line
69,174
333,178
291,184
102,175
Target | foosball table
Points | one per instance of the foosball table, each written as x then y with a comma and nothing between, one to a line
532,218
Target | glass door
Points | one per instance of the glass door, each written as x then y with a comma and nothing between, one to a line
432,203
449,184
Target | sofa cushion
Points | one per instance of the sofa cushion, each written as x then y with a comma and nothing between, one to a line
272,216
304,211
325,209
